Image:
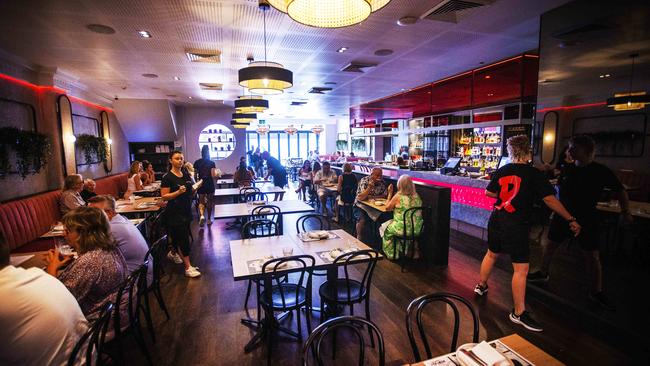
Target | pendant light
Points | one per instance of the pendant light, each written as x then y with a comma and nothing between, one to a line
317,129
244,117
328,14
263,77
290,130
632,100
236,124
251,104
262,129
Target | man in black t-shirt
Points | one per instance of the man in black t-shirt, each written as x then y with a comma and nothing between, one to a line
580,189
516,186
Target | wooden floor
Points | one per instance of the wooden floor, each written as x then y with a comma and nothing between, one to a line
205,327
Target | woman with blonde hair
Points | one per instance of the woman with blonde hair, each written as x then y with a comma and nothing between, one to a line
94,277
134,180
405,198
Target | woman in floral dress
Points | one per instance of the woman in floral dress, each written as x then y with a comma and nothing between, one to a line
405,198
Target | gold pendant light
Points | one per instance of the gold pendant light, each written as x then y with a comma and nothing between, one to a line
236,124
263,77
328,14
251,104
244,117
632,100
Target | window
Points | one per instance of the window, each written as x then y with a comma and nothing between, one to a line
312,143
219,139
293,146
273,145
284,146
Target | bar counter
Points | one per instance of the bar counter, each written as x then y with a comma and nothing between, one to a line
470,207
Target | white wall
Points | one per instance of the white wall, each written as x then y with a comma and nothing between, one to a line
146,119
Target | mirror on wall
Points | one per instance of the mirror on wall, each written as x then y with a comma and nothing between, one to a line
64,109
549,137
106,133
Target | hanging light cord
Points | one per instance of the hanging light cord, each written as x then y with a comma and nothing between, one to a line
264,10
634,55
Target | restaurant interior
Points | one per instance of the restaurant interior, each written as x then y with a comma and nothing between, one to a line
307,182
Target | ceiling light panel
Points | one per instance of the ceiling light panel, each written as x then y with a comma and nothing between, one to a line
198,55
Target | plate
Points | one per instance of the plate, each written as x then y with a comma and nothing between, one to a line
258,203
467,361
318,234
380,202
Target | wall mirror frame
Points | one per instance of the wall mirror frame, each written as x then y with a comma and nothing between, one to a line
549,137
64,114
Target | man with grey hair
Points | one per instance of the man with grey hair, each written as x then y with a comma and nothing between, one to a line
89,189
129,239
516,187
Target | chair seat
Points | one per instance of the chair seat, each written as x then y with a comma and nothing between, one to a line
289,292
357,291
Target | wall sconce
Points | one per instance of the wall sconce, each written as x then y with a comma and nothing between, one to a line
549,139
71,139
109,141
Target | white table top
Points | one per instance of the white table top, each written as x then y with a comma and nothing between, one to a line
225,192
246,250
125,206
232,210
637,209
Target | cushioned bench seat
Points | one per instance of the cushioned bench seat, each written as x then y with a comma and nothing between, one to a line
24,220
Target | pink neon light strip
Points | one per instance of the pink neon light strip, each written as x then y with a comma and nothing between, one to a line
470,196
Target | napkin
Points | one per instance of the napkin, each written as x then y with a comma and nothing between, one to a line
489,355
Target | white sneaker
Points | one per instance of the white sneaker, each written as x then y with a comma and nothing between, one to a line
174,257
192,272
202,221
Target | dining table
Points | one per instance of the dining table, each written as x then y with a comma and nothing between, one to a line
277,192
517,349
141,207
240,210
248,256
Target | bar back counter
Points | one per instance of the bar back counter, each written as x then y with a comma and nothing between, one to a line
434,249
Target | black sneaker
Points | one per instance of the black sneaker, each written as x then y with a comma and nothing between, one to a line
600,299
526,320
480,290
537,276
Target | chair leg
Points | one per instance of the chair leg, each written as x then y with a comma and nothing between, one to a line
372,338
147,316
259,304
351,309
161,301
139,339
299,325
248,294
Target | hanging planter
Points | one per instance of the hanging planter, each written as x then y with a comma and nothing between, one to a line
32,151
341,144
94,148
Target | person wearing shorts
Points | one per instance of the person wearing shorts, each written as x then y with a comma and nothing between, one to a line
516,187
580,190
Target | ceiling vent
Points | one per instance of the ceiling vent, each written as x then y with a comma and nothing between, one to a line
212,57
211,86
319,90
448,10
358,67
298,103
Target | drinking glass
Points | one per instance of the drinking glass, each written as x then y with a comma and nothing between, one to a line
62,246
287,251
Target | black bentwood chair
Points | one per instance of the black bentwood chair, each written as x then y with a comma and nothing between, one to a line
352,323
270,212
348,291
156,255
257,229
314,221
409,235
130,293
287,296
417,306
348,195
91,344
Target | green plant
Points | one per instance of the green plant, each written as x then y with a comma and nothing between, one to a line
94,148
359,144
341,144
32,150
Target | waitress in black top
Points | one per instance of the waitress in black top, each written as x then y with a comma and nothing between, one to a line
516,187
206,170
176,188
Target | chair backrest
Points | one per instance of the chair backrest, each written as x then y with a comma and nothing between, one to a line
259,228
316,221
302,265
244,190
369,258
255,196
270,212
417,306
130,292
92,342
156,254
155,227
353,323
410,217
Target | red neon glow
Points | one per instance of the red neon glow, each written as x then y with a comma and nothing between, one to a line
46,88
566,108
470,196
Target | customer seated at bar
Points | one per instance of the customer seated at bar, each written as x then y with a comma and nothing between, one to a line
129,239
346,188
242,177
370,187
94,277
40,320
71,197
581,185
134,183
405,198
89,190
148,176
324,178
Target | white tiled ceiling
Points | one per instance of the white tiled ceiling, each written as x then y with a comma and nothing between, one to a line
54,34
